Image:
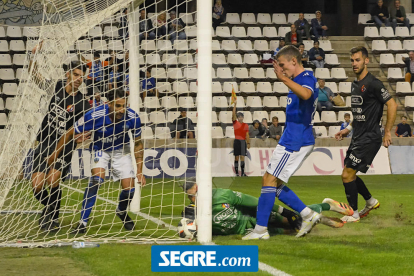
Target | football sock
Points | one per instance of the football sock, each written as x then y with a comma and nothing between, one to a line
319,208
371,201
242,167
288,197
264,208
236,167
89,197
42,196
362,189
54,201
351,191
125,198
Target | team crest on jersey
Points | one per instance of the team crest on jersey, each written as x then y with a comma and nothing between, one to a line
225,205
70,108
363,88
96,160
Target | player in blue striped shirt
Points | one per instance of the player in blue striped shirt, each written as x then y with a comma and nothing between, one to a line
295,145
110,125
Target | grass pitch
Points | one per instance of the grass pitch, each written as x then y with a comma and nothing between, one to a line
380,244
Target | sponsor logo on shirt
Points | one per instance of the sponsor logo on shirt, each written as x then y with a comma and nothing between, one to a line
224,214
357,110
96,160
363,88
360,118
225,205
357,100
384,94
70,108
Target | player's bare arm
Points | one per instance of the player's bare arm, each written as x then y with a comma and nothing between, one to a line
343,133
234,117
391,114
300,91
139,158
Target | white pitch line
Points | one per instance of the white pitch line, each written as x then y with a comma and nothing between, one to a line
262,266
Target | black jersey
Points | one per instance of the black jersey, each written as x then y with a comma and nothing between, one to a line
368,98
64,111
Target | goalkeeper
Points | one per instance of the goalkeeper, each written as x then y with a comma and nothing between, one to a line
234,212
110,124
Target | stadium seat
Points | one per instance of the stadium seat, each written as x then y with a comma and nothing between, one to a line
83,45
348,101
175,73
162,133
247,87
180,87
326,45
168,102
403,88
228,45
180,45
341,115
270,73
5,60
334,130
398,58
279,19
308,44
379,46
254,32
151,102
261,45
1,104
320,131
316,118
14,32
186,102
264,18
10,104
3,119
169,59
147,133
164,45
229,86
144,117
386,32
322,73
233,18
345,87
328,117
111,31
187,18
148,45
99,45
309,16
190,73
274,44
214,118
254,101
185,59
270,101
225,117
280,115
259,115
193,115
408,44
387,60
248,18
280,88
220,102
395,46
363,18
18,59
238,32
245,46
371,32
219,59
409,102
222,32
283,31
283,101
338,74
332,86
153,59
157,117
94,32
264,87
17,46
257,73
332,60
224,73
217,133
191,31
10,89
4,45
251,59
234,59
292,17
402,32
216,87
241,104
229,132
31,32
7,74
270,32
164,87
395,74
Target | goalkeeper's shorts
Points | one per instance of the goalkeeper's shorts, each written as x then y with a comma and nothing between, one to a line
61,164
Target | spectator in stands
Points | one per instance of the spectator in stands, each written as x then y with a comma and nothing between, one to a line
275,131
403,129
160,23
148,86
398,15
305,55
115,78
241,141
123,25
176,27
218,14
182,127
347,121
256,130
318,26
317,55
96,72
325,97
282,44
380,14
409,65
145,27
293,37
302,26
97,100
265,126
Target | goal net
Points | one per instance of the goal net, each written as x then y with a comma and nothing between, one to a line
84,55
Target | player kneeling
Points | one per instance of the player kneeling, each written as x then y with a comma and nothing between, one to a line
109,125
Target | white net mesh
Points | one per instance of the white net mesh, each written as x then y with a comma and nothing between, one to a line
153,60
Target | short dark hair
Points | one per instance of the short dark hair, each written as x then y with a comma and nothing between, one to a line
347,114
239,114
97,54
75,65
404,117
316,41
183,109
358,49
189,183
290,52
301,44
275,117
115,94
265,119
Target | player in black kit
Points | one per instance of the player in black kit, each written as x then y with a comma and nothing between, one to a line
368,96
65,108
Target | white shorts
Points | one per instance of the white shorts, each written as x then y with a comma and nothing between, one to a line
121,162
284,163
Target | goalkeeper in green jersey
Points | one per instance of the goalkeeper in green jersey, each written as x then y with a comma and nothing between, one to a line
234,212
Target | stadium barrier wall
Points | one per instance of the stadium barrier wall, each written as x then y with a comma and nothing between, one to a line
401,159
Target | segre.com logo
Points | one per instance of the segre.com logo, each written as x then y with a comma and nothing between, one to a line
204,258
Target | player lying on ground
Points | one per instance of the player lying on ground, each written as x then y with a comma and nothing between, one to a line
368,98
66,107
235,212
110,124
295,145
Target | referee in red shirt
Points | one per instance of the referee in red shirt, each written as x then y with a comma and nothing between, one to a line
241,141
